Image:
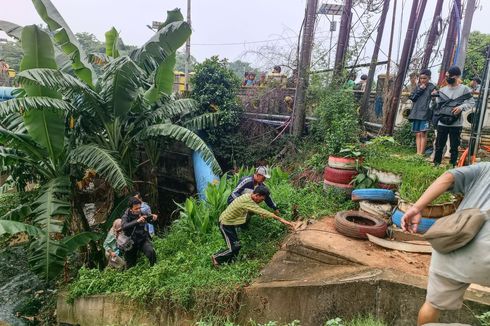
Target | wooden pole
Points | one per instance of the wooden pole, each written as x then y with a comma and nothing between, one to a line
343,42
187,49
416,14
298,122
450,41
390,48
433,34
374,60
465,33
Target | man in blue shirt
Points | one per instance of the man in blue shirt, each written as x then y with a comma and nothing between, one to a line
249,183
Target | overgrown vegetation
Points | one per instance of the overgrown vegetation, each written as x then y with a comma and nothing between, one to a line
184,275
61,124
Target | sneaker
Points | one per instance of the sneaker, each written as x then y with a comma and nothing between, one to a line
214,262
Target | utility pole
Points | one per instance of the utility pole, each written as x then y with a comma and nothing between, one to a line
433,34
416,14
374,60
299,108
465,33
390,48
187,49
343,42
452,31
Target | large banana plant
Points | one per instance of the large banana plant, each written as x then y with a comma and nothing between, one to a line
60,123
43,148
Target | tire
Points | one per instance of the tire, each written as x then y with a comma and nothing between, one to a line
343,163
379,195
387,186
345,189
338,175
344,225
425,222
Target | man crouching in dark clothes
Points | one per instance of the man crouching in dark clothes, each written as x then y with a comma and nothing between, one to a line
133,225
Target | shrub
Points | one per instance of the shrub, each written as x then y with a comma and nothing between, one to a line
215,87
337,123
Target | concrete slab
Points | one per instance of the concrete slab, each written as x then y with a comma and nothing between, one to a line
320,274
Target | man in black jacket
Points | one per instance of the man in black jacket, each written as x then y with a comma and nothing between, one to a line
133,225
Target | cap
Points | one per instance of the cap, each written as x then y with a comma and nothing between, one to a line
262,170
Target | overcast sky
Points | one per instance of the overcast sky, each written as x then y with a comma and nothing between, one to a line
215,22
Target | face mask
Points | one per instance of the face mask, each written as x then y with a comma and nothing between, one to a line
450,80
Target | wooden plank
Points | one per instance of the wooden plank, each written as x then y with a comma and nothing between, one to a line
399,235
401,246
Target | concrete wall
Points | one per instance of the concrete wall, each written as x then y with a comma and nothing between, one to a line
103,310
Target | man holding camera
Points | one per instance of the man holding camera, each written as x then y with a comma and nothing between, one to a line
133,226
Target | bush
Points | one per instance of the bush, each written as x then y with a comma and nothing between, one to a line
337,123
404,135
215,87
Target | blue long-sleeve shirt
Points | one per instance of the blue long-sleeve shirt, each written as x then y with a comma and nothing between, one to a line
246,185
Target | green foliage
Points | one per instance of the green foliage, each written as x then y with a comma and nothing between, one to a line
337,121
417,174
73,125
476,54
64,37
214,85
215,88
404,136
363,181
184,275
360,321
11,52
484,319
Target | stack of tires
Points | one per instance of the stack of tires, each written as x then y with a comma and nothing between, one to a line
339,174
377,202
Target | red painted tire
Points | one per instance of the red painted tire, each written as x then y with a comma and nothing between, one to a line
356,224
387,186
339,175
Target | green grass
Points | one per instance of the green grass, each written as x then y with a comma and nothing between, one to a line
417,174
184,275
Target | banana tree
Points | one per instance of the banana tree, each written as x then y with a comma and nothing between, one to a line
43,147
60,124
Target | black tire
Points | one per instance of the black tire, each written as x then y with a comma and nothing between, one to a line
366,224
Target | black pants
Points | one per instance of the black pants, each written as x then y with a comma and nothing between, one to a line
454,134
229,233
143,245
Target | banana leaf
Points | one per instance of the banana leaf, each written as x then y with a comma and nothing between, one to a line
65,38
111,43
46,127
11,29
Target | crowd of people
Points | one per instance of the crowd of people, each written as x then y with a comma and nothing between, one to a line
274,79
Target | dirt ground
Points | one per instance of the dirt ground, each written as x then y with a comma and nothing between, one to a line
322,236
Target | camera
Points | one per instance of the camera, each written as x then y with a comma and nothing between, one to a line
148,218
